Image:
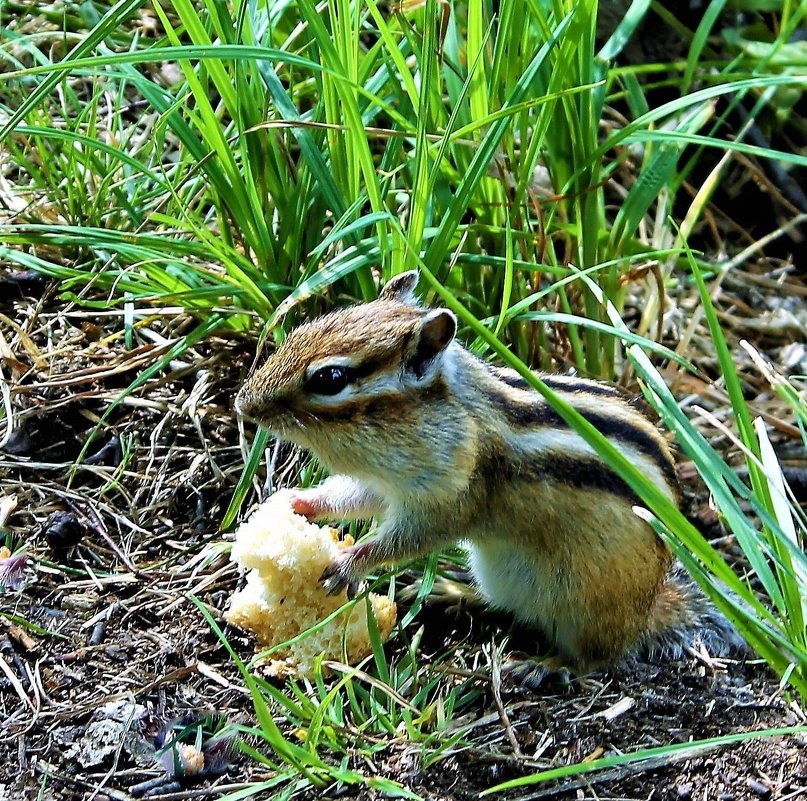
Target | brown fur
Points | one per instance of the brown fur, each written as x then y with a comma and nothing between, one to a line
441,446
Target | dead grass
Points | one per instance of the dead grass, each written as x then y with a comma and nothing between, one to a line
116,623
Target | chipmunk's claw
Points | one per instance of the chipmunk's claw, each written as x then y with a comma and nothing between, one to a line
453,591
337,577
333,579
531,672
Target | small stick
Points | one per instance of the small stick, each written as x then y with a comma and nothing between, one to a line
496,687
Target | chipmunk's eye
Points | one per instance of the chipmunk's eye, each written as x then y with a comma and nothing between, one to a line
329,380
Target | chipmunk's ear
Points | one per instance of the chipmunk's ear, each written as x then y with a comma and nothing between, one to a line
401,288
434,334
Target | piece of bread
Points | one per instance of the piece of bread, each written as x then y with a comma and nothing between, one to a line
286,555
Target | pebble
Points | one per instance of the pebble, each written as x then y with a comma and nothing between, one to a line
758,787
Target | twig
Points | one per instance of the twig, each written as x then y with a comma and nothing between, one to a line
496,688
51,773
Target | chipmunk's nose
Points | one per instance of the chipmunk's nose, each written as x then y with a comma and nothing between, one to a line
244,404
257,404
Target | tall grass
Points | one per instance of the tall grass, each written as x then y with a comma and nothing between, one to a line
289,148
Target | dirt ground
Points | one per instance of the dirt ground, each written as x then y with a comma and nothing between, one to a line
117,546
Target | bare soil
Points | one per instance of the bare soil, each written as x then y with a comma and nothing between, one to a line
109,580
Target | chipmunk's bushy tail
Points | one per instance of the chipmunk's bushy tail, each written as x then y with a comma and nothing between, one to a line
684,617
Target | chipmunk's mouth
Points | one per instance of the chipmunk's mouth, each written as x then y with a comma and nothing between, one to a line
277,418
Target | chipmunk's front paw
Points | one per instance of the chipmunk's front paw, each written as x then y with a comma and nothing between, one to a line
311,504
339,576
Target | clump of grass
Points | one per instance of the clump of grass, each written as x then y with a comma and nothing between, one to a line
356,716
286,150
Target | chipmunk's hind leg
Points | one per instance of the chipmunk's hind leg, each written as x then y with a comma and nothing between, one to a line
453,590
533,671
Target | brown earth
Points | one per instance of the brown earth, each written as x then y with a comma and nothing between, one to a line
109,584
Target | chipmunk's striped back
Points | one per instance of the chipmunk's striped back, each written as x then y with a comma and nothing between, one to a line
539,441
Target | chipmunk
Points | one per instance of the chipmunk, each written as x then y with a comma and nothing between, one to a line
440,446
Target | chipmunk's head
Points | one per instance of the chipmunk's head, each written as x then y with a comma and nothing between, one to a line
337,379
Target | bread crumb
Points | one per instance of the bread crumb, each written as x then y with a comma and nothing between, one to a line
285,556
